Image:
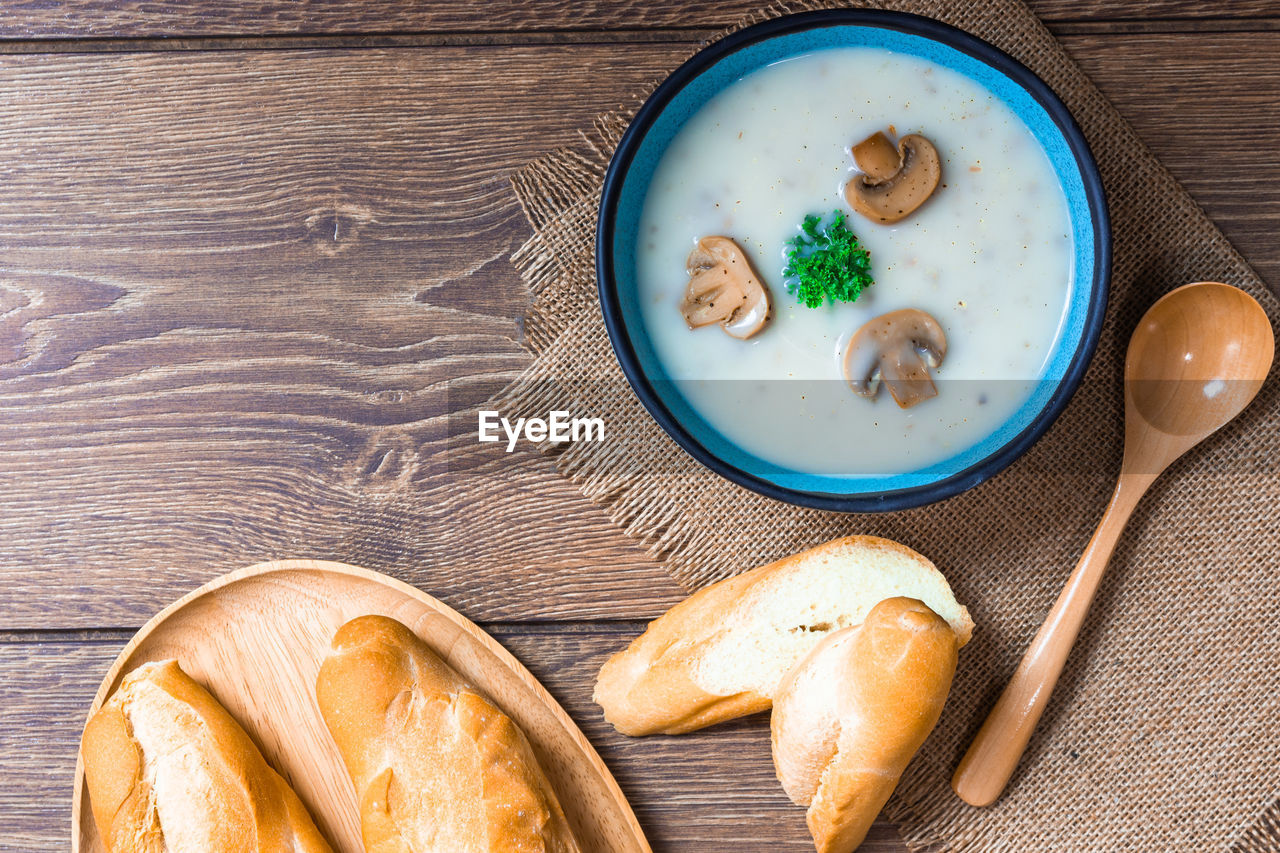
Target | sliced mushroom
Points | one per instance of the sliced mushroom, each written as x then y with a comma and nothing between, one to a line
897,348
877,157
894,182
724,289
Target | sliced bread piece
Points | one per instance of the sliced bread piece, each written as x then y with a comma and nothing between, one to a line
169,770
848,719
721,653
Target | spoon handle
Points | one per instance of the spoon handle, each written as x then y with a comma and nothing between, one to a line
994,753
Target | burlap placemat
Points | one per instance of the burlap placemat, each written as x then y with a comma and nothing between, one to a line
1162,733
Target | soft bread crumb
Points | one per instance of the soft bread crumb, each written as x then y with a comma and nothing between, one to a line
180,780
779,619
819,679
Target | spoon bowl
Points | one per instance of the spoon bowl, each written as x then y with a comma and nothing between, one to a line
1196,360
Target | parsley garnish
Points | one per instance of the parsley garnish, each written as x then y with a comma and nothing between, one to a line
827,261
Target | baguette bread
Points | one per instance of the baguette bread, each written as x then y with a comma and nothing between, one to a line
436,766
721,653
849,717
170,771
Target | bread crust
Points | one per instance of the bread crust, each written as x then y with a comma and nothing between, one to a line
848,719
436,765
170,771
652,686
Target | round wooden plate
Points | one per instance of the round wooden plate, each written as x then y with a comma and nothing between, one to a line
255,638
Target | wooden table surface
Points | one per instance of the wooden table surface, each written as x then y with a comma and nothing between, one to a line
252,254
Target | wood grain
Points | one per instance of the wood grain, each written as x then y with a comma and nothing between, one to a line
258,321
233,335
1181,92
81,19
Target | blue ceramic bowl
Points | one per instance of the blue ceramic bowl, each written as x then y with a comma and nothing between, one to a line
726,61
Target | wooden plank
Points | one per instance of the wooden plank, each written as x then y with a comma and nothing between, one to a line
712,791
1198,101
242,291
235,332
84,19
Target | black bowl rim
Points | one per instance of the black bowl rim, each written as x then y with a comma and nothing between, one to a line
975,47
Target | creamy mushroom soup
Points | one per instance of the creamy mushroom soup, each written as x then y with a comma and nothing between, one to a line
989,255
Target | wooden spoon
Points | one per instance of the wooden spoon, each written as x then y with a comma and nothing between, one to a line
1196,360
